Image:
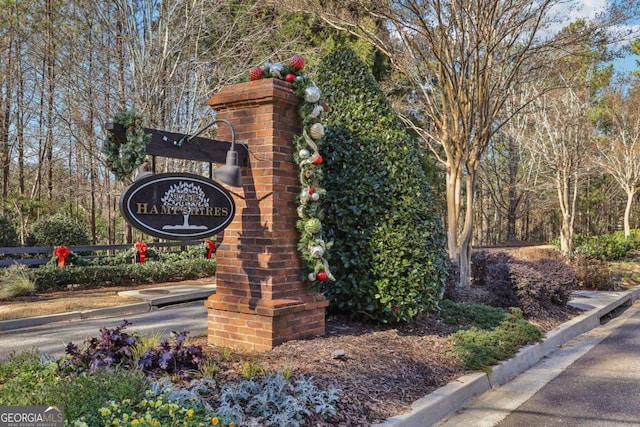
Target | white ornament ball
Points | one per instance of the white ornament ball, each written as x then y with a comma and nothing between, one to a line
276,70
315,197
317,251
312,94
317,131
304,153
311,277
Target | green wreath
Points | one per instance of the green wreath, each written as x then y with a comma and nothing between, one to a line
124,159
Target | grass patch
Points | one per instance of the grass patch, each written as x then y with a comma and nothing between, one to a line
15,282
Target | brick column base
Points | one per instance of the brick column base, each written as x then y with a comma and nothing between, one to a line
263,324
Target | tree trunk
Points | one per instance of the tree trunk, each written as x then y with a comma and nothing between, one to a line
5,159
50,67
627,213
453,209
512,192
460,243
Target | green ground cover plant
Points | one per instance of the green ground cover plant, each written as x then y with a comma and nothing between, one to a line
468,315
31,378
479,348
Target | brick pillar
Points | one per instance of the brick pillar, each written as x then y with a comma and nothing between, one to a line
261,300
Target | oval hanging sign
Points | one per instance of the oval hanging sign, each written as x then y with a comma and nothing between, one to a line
177,206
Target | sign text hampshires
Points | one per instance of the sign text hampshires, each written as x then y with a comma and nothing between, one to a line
177,206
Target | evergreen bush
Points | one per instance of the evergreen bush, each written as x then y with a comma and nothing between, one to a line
50,277
388,254
9,235
56,230
609,247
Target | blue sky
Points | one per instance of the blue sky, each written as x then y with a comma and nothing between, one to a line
588,9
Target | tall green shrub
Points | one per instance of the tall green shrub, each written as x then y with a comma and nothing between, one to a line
58,230
388,255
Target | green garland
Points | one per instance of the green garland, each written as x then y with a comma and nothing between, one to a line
124,159
312,245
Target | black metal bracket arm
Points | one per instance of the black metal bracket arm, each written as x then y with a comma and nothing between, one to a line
165,144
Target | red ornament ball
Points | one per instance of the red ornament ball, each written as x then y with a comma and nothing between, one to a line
255,73
290,78
322,276
312,190
297,62
317,160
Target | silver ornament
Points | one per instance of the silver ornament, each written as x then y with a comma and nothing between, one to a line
317,131
276,70
312,94
311,277
315,197
304,153
317,251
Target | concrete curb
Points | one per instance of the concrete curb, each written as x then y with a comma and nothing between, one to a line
164,296
28,322
450,398
168,296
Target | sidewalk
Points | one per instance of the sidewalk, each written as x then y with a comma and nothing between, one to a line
445,401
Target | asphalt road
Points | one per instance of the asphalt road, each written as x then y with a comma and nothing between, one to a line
601,388
52,338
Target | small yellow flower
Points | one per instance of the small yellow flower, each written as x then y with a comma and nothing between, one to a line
215,421
190,413
135,422
232,424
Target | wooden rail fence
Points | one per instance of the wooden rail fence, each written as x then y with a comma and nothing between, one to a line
24,255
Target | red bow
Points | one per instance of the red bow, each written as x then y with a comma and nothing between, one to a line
211,248
141,247
61,252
